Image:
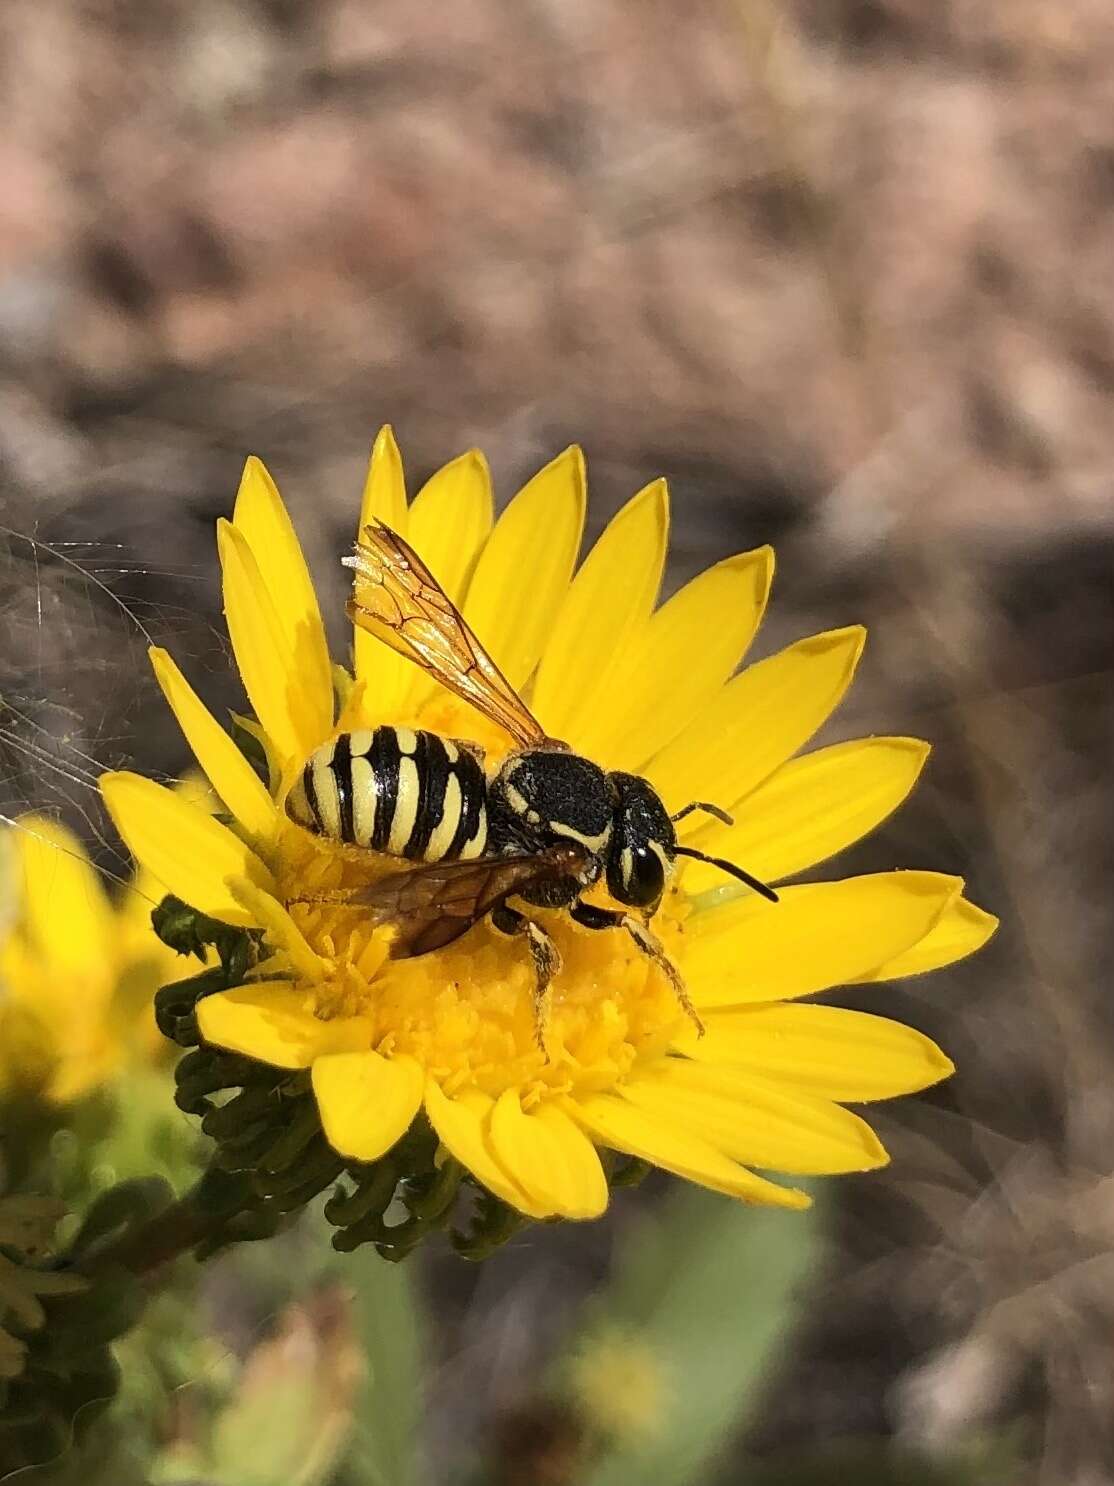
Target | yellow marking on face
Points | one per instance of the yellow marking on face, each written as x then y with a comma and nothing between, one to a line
407,740
442,837
328,796
626,865
406,805
364,799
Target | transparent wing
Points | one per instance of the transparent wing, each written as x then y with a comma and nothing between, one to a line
397,599
434,904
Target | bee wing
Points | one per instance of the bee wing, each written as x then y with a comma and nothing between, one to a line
434,904
397,599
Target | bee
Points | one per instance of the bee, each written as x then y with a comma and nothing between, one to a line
542,826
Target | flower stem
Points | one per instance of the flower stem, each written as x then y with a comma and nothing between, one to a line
201,1217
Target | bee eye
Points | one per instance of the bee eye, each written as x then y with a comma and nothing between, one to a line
636,875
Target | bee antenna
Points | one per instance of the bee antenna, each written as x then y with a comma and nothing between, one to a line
728,820
730,868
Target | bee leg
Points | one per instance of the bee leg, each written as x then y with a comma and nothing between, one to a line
546,957
591,917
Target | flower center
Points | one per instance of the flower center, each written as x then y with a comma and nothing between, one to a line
469,1013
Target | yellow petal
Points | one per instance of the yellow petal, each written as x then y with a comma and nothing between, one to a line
821,934
523,573
550,1157
462,1127
387,675
133,918
74,1077
677,665
274,1023
608,603
750,1119
226,768
280,700
450,521
266,526
64,904
811,808
959,932
281,931
190,853
823,1050
621,1125
344,684
384,497
367,1102
354,713
758,721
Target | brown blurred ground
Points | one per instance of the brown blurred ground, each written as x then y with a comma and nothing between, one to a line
841,269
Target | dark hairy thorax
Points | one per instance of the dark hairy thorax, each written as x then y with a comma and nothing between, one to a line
540,796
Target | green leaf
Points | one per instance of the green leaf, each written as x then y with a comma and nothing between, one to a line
708,1292
391,1328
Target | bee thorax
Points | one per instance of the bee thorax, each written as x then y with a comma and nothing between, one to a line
544,795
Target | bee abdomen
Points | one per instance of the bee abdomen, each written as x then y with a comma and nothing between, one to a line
402,791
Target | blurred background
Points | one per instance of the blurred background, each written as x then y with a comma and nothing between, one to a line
842,271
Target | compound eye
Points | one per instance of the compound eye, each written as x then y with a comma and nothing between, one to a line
636,876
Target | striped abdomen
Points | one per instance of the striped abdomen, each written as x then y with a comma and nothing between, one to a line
405,792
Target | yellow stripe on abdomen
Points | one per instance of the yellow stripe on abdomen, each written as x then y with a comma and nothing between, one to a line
364,800
325,792
475,847
443,833
406,806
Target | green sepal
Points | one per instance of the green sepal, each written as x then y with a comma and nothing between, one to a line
184,930
626,1171
188,932
250,738
69,1375
46,1413
492,1223
410,1194
247,740
123,1206
80,1324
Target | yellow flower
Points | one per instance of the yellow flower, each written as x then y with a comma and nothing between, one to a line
77,974
632,686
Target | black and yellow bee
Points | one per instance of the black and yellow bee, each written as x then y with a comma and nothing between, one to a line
543,827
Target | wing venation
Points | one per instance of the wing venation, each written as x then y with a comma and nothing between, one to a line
433,904
397,599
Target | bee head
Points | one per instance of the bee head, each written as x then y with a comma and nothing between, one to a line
643,844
